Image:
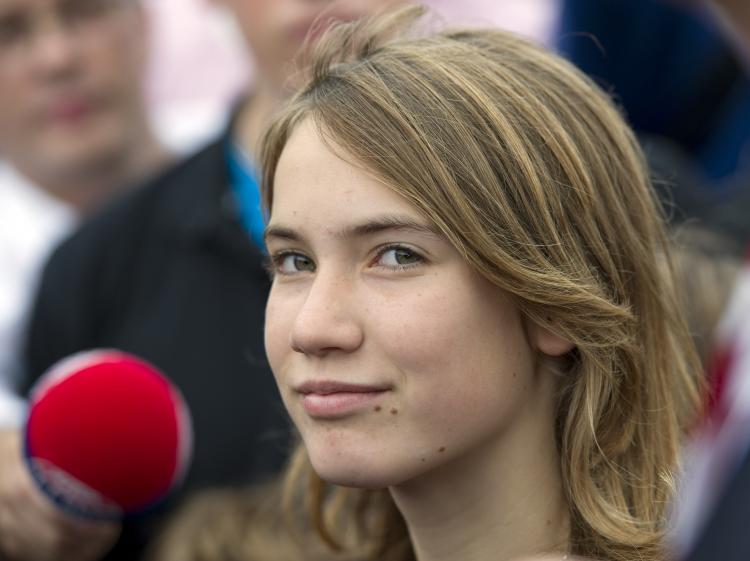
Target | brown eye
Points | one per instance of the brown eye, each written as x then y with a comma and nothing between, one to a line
78,10
14,29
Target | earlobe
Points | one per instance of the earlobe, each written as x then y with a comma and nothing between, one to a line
550,343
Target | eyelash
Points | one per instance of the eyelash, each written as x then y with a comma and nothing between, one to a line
398,267
276,260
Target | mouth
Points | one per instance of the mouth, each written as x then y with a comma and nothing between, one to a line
325,399
70,110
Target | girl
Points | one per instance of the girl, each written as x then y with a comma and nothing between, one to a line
472,322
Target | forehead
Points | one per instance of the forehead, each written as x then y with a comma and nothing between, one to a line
314,180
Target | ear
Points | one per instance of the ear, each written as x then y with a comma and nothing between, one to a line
548,342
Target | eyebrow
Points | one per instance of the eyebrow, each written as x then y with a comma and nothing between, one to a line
367,228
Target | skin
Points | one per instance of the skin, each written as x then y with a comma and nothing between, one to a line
31,527
734,15
72,114
74,122
274,31
466,400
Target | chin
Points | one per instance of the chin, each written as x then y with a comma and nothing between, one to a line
348,477
98,141
362,472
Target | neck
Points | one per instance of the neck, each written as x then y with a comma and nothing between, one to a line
87,189
256,114
500,502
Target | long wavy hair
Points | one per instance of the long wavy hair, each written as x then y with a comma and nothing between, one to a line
528,169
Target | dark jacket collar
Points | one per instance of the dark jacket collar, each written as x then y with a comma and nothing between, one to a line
201,208
200,200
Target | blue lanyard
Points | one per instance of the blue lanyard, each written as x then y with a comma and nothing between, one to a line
244,183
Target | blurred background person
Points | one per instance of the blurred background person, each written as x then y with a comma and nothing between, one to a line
74,132
174,272
682,88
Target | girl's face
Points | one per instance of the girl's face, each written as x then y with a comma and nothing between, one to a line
393,357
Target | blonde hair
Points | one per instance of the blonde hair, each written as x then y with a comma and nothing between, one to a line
526,167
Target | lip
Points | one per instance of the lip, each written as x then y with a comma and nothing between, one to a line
70,110
327,399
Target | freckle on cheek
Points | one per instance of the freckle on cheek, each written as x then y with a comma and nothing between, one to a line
377,408
442,449
394,411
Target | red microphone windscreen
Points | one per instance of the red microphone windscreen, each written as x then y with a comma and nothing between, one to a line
107,434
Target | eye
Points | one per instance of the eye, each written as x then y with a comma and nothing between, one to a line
290,263
14,29
76,11
398,257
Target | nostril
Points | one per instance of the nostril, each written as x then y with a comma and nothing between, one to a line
344,336
328,319
295,344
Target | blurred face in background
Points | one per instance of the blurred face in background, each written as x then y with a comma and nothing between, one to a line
276,29
71,74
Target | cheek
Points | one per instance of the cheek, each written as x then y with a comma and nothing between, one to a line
16,93
462,329
281,311
274,331
117,60
463,356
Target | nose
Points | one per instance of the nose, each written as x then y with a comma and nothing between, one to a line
328,320
53,48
